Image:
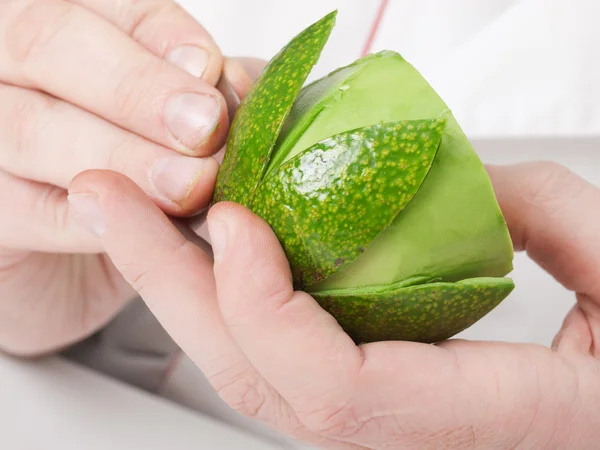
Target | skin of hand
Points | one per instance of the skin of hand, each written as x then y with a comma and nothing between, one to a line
126,86
273,354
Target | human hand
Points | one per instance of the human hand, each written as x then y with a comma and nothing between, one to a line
95,84
275,355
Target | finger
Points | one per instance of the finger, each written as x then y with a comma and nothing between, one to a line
151,254
75,55
236,79
232,99
591,311
175,279
167,30
310,361
37,218
253,66
553,214
173,276
574,337
51,141
242,72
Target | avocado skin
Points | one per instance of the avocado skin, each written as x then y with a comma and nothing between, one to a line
260,117
329,202
438,267
427,313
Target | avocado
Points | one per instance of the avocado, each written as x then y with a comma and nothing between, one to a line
384,210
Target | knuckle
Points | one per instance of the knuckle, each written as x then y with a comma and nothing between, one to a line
49,204
280,294
34,27
243,391
25,122
144,270
140,15
135,274
136,88
292,311
53,204
280,290
123,157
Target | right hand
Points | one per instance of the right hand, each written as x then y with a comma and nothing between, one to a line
94,84
275,355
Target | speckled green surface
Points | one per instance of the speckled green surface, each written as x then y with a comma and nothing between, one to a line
423,313
261,115
380,202
329,202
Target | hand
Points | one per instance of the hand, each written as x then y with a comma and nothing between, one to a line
125,86
275,355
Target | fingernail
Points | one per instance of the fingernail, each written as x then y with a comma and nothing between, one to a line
90,214
218,238
192,118
174,177
192,59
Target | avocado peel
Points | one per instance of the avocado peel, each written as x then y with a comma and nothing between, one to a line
384,210
259,118
369,174
429,312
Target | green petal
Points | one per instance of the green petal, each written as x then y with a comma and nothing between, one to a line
260,117
329,202
424,313
454,229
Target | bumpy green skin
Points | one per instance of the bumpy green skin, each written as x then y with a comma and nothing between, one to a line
424,313
261,115
395,232
367,175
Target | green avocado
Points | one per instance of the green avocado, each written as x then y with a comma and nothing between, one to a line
384,210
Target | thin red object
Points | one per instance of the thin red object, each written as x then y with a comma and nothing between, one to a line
375,27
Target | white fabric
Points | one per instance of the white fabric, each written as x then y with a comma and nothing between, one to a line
505,67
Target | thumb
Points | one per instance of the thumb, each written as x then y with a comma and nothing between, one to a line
286,335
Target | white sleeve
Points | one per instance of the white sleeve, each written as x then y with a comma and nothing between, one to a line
507,68
524,68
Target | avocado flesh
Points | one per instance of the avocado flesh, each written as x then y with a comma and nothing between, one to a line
453,229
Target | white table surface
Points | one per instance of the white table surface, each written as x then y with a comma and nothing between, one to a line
54,404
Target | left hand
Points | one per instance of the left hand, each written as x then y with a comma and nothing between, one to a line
275,355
